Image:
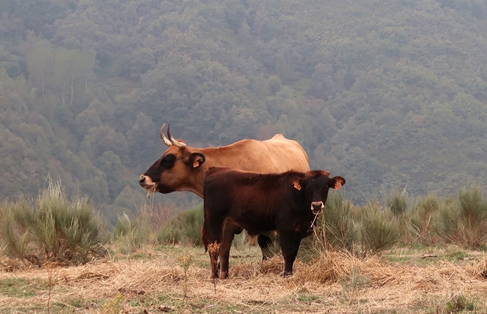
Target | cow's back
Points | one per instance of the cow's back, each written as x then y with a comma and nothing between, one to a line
249,198
275,155
286,154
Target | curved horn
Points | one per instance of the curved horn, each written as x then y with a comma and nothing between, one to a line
163,137
176,143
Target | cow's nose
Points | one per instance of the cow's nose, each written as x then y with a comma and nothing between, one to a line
142,179
316,207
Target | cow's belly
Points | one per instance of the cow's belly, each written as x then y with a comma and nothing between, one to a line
255,225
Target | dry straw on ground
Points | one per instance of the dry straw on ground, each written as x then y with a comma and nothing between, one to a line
335,282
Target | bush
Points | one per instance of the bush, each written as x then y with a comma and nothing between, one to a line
170,235
379,229
145,228
132,234
335,228
53,229
464,222
422,218
184,227
397,201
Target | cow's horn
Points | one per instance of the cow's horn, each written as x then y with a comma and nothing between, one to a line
176,143
163,137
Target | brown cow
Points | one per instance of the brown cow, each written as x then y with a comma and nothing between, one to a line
182,168
287,202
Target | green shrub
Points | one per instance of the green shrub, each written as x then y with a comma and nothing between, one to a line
186,226
133,234
335,228
397,201
379,229
422,218
169,235
460,303
464,222
191,224
53,229
146,228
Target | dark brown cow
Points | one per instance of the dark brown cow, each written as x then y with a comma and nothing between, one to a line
182,168
287,202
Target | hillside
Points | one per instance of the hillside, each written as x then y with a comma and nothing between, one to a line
388,94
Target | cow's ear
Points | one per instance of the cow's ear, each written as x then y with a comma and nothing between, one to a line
296,183
196,159
337,182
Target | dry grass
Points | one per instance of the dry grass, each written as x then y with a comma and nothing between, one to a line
153,281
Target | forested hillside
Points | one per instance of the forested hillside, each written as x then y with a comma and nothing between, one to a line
383,93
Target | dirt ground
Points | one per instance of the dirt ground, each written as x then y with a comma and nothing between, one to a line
176,280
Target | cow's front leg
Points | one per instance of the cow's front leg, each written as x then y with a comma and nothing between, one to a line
228,233
289,245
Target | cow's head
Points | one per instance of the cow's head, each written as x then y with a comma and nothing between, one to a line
176,170
315,185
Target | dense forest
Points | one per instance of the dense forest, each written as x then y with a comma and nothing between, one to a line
384,93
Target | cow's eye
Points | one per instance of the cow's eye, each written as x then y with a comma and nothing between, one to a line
168,161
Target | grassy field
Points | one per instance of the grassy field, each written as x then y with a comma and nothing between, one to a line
175,279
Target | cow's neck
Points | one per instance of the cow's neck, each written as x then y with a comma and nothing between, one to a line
225,156
214,157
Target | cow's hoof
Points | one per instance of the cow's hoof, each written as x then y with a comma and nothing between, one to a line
287,274
223,275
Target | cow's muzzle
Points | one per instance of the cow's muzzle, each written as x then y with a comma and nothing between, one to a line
146,182
317,207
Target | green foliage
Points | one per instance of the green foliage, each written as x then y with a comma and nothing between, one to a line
84,87
185,227
114,305
422,218
336,227
52,229
20,287
460,303
355,283
379,229
141,230
397,201
185,261
131,234
464,222
145,227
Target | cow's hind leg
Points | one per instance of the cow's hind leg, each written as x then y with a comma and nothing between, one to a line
228,233
211,235
213,251
264,243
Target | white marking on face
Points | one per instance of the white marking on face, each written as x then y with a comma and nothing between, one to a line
317,207
147,183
